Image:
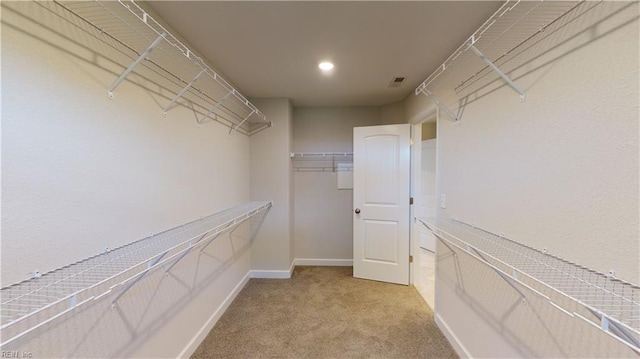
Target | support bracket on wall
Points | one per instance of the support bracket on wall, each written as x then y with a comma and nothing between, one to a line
258,129
497,70
502,275
215,107
133,65
243,121
184,254
216,236
184,89
442,240
615,328
438,103
150,264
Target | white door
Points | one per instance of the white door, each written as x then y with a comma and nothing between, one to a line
428,192
381,173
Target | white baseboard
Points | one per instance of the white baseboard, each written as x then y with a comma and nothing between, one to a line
286,274
324,262
206,328
451,337
273,274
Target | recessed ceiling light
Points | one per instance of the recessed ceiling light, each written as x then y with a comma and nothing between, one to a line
325,66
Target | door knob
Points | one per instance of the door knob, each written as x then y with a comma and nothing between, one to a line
357,210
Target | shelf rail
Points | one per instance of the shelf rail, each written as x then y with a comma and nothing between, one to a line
322,161
615,304
28,305
515,25
152,45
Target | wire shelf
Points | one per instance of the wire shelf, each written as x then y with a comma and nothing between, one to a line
613,302
29,304
488,54
322,161
145,47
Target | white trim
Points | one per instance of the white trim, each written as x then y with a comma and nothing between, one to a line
273,274
324,262
451,337
195,342
415,175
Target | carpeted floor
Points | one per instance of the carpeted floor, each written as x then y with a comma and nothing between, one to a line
323,312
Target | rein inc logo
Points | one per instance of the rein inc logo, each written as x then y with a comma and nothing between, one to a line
16,354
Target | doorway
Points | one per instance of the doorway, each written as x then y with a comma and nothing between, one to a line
425,191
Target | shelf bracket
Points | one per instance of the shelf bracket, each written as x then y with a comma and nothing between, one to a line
243,121
150,265
257,228
177,97
504,277
481,257
191,245
126,72
264,126
613,327
215,107
333,164
439,104
442,240
217,235
497,70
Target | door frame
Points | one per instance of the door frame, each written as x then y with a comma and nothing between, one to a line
416,180
431,144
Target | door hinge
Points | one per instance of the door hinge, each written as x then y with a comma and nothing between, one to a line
410,200
410,259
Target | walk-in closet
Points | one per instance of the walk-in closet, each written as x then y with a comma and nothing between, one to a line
320,179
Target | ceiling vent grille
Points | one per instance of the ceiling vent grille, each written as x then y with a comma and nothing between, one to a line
396,82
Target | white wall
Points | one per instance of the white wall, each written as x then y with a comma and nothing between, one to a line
81,172
271,179
560,171
323,214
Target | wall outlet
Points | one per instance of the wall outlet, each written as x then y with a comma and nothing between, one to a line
443,201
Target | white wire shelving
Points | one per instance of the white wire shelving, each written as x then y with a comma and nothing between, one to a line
322,161
488,54
28,305
613,303
143,46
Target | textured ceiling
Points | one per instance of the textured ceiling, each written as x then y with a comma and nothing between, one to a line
272,49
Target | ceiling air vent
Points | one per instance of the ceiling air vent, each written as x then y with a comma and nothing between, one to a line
396,82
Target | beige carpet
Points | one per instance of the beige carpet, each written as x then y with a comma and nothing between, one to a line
323,312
